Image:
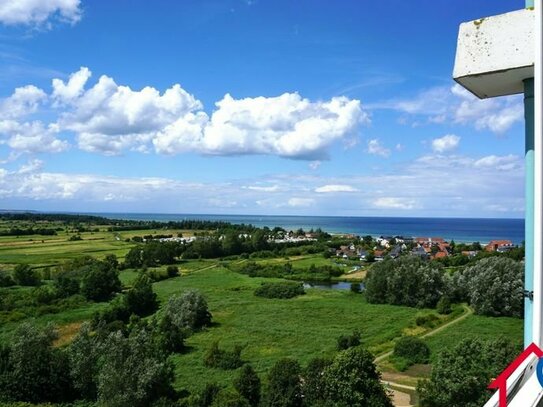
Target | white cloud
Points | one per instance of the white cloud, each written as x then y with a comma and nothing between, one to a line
31,137
375,148
273,188
30,167
458,106
314,165
335,188
22,102
38,12
394,203
500,163
287,126
108,118
301,202
446,143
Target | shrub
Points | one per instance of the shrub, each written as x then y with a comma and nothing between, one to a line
356,288
66,286
348,341
99,283
172,271
24,275
284,385
280,290
188,310
444,305
248,385
412,349
314,381
427,320
223,359
5,279
141,299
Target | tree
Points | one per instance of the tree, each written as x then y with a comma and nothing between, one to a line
229,398
133,258
314,381
171,338
355,288
411,350
353,380
141,299
248,385
188,310
133,372
444,305
405,281
284,385
172,271
348,341
32,370
100,283
460,375
24,275
66,286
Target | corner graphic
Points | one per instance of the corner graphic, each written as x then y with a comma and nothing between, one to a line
500,382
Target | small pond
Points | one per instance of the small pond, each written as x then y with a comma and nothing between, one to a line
341,285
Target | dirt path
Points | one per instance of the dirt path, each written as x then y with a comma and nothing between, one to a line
467,312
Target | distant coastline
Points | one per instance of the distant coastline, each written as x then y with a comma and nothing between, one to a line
459,229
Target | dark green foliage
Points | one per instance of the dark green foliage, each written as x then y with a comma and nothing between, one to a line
99,283
284,385
133,258
84,353
229,398
141,299
32,370
116,311
444,305
24,275
314,381
493,286
188,310
206,396
66,286
313,273
353,380
348,341
356,288
133,372
5,279
461,375
223,359
172,271
171,338
247,383
405,281
280,290
427,320
410,350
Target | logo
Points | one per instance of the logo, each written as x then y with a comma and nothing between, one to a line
500,382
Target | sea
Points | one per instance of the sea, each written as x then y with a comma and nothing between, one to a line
457,229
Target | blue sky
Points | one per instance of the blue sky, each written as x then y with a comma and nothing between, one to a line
251,107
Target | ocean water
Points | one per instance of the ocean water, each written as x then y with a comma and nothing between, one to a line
459,229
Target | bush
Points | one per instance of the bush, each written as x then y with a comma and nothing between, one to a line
188,310
284,385
223,359
412,349
427,320
172,271
460,376
66,286
24,275
99,283
356,288
348,341
141,299
280,290
5,279
248,385
314,381
444,305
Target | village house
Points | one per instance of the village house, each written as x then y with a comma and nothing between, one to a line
499,246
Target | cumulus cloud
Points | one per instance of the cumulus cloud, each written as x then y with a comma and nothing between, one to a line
446,143
500,163
335,188
375,148
273,188
287,126
39,12
31,137
109,118
458,106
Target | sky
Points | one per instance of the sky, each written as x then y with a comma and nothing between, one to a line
278,107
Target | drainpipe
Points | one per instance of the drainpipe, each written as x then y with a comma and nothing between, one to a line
529,212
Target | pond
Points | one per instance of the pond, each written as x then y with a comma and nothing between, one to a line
341,285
